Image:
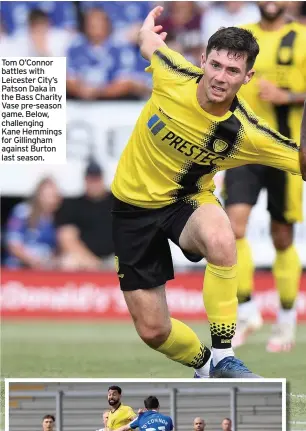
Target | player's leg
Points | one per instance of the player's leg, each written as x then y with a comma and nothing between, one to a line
285,207
144,264
207,232
169,336
241,189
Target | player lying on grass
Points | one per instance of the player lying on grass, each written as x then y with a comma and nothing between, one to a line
193,126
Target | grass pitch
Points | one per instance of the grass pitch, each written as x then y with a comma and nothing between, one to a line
107,349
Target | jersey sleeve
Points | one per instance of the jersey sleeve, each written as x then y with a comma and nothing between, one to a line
131,413
169,66
170,425
274,149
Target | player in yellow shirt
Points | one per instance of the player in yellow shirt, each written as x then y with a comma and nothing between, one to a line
276,94
193,126
120,414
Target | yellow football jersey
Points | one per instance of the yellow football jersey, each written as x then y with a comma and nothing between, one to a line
176,147
282,61
121,416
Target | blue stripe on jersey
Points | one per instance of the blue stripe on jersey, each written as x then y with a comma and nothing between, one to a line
158,128
153,120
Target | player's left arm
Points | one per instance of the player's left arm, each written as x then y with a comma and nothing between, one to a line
303,145
269,92
275,150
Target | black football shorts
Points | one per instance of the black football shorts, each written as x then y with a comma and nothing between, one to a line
143,257
243,185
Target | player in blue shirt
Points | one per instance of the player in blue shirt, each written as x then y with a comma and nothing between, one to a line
150,419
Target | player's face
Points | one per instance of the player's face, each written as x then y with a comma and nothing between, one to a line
224,75
226,425
48,424
271,10
113,397
198,425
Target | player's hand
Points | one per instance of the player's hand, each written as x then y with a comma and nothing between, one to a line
269,92
149,22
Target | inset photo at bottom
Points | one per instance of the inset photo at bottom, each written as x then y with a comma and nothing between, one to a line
147,405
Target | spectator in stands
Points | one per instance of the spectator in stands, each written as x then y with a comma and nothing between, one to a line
199,424
84,226
48,423
183,24
15,14
30,237
41,39
94,63
6,45
226,424
126,18
226,14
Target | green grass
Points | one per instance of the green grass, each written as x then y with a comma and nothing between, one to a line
86,349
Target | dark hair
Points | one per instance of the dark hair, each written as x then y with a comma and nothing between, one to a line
235,40
49,417
151,403
115,388
37,15
227,419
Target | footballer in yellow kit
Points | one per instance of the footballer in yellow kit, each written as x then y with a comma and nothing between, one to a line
120,414
276,94
193,126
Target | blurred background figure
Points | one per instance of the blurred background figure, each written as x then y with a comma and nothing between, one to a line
84,226
183,25
276,93
104,420
226,424
62,14
30,237
199,424
226,14
126,17
40,38
95,65
48,423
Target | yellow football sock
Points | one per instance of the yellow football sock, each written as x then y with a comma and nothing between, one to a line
245,270
184,346
220,299
287,270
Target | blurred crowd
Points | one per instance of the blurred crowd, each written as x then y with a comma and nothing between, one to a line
99,38
50,232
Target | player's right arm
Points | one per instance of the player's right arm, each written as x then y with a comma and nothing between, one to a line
148,39
303,145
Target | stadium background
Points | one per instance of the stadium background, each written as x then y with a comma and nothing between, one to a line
79,406
92,341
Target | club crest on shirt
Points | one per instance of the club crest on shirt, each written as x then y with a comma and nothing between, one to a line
285,54
219,145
